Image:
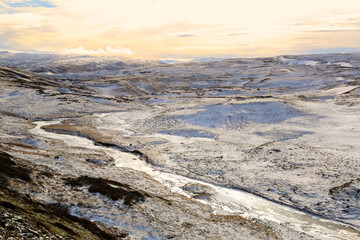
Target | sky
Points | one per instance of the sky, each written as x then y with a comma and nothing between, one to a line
180,29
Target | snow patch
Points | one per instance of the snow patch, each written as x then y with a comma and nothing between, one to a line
289,61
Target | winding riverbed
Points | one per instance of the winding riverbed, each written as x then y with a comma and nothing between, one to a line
223,200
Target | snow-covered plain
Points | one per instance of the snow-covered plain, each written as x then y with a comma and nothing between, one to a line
284,128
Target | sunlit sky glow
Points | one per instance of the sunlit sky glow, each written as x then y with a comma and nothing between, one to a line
180,28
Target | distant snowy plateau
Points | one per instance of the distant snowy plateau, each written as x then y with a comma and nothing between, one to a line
242,148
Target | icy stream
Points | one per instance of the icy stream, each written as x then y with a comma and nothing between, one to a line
224,200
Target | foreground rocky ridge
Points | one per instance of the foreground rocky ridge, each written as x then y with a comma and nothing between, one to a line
283,129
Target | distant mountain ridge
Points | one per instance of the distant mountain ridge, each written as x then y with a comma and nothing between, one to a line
86,66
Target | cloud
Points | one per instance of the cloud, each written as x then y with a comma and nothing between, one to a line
18,6
186,35
29,3
108,51
333,30
235,34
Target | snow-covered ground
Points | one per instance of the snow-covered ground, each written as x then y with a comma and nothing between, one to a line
284,128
